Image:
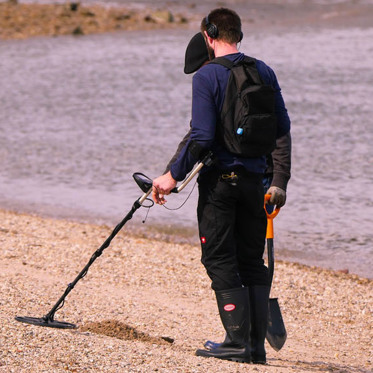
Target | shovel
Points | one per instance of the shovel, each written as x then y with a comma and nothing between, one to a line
276,332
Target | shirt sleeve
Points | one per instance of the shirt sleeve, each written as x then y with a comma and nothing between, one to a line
281,158
179,149
202,126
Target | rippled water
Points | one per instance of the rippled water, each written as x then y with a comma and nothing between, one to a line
80,115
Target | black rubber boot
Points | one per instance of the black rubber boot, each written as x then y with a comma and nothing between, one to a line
259,296
234,310
210,345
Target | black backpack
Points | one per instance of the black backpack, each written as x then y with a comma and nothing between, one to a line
248,123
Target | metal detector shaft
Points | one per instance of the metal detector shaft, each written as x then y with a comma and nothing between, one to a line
206,161
98,253
190,177
48,319
144,197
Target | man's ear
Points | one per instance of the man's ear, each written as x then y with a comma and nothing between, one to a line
209,40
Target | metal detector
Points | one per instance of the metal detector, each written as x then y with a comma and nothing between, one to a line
145,185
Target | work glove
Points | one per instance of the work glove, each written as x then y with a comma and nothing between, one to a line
278,196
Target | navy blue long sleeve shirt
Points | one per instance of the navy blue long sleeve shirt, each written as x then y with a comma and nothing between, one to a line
209,86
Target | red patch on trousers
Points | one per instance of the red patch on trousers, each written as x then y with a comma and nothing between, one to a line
203,239
229,307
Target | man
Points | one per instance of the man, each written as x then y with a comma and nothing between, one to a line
231,218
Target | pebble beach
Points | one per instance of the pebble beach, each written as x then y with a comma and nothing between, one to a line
146,306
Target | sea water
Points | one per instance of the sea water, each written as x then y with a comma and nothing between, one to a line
80,115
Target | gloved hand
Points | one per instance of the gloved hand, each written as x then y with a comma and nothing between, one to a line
278,196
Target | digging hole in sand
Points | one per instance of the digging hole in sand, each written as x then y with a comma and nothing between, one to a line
116,329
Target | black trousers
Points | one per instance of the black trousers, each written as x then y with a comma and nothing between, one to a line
232,227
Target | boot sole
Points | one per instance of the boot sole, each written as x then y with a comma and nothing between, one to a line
204,353
259,362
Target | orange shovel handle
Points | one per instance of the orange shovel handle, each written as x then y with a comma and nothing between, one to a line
270,217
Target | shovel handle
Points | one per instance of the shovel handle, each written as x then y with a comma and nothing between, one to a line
275,212
270,217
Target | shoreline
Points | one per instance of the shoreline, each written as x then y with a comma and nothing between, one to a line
170,234
146,305
24,20
168,237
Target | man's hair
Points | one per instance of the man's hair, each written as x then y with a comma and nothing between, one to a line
227,23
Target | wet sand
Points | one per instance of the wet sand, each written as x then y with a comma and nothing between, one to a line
146,306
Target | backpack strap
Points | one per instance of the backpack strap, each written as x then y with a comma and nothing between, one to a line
250,67
247,70
223,61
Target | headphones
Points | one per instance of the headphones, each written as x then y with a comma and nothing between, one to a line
212,30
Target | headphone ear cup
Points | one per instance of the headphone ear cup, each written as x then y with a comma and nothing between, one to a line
212,31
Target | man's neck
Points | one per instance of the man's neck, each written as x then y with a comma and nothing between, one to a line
222,49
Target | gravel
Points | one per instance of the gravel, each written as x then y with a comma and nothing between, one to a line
146,306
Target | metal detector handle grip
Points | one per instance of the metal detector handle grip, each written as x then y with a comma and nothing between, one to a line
205,161
270,216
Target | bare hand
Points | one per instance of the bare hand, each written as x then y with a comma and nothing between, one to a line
162,186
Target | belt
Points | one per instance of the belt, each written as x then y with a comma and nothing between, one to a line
231,175
234,174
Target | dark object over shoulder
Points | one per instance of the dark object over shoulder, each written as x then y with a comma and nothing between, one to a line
196,54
